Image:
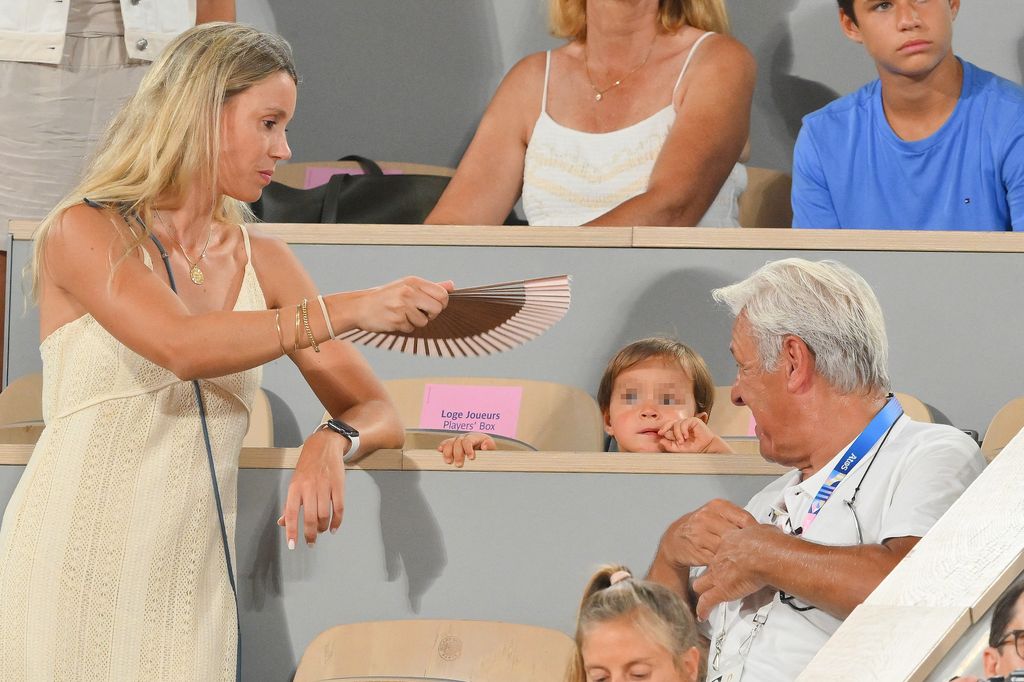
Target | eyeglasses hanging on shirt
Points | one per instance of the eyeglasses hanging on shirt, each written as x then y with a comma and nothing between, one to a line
877,431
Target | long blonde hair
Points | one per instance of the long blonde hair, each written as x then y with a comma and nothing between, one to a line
569,17
656,609
166,138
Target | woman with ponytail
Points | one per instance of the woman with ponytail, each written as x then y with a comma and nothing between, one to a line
639,119
630,629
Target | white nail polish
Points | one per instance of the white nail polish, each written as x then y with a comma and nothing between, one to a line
291,544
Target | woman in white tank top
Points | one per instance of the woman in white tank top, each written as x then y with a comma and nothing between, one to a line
639,120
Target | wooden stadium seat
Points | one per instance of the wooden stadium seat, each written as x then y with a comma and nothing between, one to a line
728,420
1006,424
915,408
461,650
21,410
733,421
766,202
22,401
294,174
552,417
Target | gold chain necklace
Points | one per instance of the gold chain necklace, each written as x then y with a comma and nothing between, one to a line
194,273
599,93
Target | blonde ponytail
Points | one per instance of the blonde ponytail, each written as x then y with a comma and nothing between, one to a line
613,593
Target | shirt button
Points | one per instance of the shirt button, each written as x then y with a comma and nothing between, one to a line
135,2
142,44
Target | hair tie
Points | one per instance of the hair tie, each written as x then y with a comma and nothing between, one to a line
618,577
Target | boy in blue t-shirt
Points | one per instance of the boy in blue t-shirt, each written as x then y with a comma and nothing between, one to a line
934,144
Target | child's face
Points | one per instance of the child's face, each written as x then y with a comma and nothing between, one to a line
904,37
646,396
618,651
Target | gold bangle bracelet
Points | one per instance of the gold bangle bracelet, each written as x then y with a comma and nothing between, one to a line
277,326
305,324
298,327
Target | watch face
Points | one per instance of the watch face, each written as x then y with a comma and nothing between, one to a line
342,428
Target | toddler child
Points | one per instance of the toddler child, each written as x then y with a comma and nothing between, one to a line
655,395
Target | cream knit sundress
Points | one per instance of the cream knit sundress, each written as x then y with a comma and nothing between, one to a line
111,560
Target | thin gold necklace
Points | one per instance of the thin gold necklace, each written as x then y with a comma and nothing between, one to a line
194,272
598,92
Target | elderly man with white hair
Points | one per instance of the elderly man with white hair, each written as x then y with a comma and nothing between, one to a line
772,581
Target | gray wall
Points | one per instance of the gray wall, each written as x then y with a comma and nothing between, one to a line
412,546
408,81
954,319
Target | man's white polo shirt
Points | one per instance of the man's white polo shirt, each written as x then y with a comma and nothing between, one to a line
904,488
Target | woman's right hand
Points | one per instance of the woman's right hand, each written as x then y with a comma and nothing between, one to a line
460,448
400,306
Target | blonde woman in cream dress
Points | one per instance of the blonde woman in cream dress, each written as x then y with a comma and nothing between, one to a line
113,562
640,119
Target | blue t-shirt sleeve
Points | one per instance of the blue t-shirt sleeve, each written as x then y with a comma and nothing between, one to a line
811,198
1013,174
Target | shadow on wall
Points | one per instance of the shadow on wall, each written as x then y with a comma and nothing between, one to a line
286,428
266,640
781,99
692,317
794,97
1020,57
389,79
412,538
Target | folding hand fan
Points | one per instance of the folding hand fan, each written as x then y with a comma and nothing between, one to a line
481,320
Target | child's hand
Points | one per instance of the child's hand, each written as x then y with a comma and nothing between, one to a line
690,435
460,448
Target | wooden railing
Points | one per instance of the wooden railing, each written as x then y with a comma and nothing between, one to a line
632,237
538,462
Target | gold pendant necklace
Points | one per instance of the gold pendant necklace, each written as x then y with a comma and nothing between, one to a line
194,271
598,92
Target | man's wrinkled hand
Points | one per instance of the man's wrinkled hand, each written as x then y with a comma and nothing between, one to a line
733,572
694,539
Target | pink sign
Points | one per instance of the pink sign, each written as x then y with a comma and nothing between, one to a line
319,175
488,409
753,425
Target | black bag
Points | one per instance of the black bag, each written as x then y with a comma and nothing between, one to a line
370,198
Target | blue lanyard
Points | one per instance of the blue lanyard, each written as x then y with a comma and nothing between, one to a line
881,423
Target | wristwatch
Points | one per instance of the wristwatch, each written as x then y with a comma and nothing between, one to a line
347,431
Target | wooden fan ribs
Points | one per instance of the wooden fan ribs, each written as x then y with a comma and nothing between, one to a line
481,320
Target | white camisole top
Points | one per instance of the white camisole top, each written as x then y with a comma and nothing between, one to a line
571,176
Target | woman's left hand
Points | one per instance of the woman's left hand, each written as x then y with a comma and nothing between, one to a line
318,487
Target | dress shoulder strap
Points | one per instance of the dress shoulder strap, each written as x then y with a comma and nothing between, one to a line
547,73
245,239
690,56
